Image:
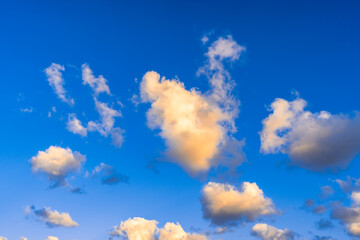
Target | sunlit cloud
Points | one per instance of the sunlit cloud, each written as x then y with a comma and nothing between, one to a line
266,232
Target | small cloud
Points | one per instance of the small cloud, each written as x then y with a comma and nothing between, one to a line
56,81
27,110
324,224
56,163
225,204
326,191
108,174
267,232
98,84
53,218
52,238
75,126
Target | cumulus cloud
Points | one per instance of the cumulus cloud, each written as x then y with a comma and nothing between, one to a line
75,126
52,238
267,232
174,231
225,204
195,126
109,175
142,229
56,163
350,217
355,197
135,229
98,84
57,82
315,141
53,218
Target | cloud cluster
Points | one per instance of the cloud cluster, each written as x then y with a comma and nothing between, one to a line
225,204
267,232
195,126
142,229
52,218
315,141
56,81
56,163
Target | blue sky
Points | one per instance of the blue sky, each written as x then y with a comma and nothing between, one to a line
261,52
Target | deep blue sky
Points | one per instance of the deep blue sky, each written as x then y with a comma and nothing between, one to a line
308,46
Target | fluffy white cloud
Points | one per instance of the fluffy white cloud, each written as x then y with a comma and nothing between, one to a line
53,218
136,229
195,125
315,141
56,81
57,163
172,231
52,238
267,232
224,203
75,126
141,229
98,84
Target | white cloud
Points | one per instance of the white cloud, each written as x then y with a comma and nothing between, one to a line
27,110
3,238
56,163
98,84
224,203
53,218
315,141
267,232
355,197
141,229
75,126
136,229
195,126
56,81
52,238
172,231
23,238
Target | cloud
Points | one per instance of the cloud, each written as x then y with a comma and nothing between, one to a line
109,175
75,126
23,238
195,126
348,185
315,141
56,81
98,84
139,228
267,232
3,238
326,191
136,228
324,224
53,218
350,217
27,110
310,205
225,204
56,163
355,197
51,238
319,209
172,231
106,124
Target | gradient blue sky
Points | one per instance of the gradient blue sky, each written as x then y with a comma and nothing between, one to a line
311,47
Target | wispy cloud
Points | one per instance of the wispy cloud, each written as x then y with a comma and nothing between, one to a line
57,82
266,232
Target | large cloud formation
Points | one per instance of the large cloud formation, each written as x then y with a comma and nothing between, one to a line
315,141
52,218
195,125
56,81
142,229
225,204
56,163
267,232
